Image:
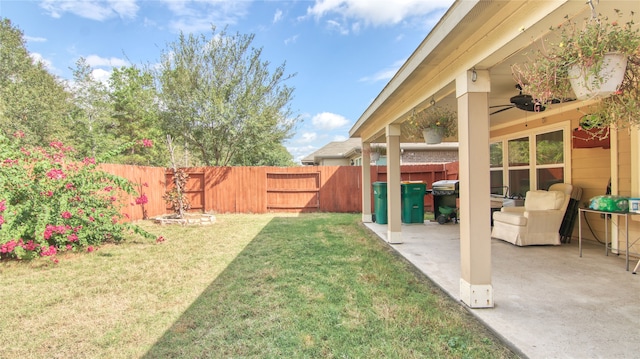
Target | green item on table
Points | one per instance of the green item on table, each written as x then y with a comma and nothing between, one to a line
610,204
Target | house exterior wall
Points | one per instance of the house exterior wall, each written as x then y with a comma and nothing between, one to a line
624,184
591,170
410,156
335,162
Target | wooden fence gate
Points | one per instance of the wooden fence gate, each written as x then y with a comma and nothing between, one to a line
194,190
293,191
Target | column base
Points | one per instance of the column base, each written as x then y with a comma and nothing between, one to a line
367,218
394,237
476,295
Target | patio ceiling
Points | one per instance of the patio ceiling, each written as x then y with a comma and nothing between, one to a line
485,35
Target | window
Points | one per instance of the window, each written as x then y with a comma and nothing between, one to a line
549,159
382,161
518,169
495,158
531,161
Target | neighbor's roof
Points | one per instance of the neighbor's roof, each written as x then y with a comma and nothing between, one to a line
336,149
345,149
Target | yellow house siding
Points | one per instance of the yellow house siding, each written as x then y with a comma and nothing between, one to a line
624,164
591,170
624,189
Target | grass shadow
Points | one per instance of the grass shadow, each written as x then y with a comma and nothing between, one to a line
321,285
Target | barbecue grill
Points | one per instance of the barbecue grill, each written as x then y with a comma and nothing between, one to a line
445,193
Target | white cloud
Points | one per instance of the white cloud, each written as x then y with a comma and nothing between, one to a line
307,137
102,67
385,74
191,25
94,10
336,26
291,40
101,75
339,138
376,13
194,16
356,26
36,57
277,16
147,22
97,61
298,153
328,121
35,39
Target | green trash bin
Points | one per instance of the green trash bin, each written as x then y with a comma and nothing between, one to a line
380,202
413,202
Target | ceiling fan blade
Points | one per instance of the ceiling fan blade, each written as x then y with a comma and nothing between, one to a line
509,105
502,109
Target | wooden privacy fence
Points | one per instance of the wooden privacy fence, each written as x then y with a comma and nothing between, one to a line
147,180
268,189
273,189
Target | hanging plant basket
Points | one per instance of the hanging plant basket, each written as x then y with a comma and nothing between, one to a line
431,124
588,83
432,136
591,121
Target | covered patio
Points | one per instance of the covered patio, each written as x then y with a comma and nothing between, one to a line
465,63
550,303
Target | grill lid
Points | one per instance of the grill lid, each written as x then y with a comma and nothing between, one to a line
445,185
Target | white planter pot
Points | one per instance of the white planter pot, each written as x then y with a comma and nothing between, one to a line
432,136
586,85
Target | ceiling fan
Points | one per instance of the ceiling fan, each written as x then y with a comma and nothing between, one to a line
522,102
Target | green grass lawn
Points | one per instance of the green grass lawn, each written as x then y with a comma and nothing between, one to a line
263,286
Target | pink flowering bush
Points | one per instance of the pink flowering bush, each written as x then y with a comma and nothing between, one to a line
50,204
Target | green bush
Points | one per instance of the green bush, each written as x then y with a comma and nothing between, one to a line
49,203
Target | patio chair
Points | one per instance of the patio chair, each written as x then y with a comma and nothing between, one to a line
538,221
571,214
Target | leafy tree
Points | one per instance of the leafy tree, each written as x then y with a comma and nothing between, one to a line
495,154
32,101
135,111
93,123
272,155
549,152
519,152
222,100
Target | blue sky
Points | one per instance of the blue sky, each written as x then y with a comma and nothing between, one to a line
343,52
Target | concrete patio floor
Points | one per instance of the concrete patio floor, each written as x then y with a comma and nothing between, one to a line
549,302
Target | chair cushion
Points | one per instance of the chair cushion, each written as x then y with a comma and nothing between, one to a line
516,219
543,200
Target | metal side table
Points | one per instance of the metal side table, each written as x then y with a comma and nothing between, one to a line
606,230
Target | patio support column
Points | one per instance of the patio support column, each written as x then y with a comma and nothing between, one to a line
366,182
394,226
472,91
